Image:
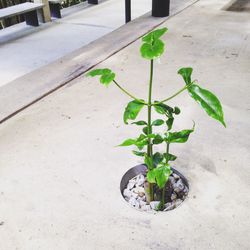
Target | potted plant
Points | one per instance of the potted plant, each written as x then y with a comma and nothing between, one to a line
155,184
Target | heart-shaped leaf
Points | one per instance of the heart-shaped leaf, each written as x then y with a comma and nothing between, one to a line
152,51
152,46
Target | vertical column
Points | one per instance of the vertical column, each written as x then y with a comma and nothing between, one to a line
55,9
128,10
160,8
31,18
44,15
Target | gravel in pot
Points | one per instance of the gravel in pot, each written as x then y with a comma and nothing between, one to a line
132,190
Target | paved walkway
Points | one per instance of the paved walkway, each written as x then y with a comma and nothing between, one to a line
60,169
79,26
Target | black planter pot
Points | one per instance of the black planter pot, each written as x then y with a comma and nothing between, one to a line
160,8
142,169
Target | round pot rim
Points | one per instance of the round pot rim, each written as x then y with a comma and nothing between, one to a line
141,169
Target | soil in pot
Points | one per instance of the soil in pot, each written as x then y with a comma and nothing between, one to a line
132,188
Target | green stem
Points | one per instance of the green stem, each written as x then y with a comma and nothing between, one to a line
164,188
127,93
163,197
167,150
149,146
177,93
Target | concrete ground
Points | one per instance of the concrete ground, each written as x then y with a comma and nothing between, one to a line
27,48
60,169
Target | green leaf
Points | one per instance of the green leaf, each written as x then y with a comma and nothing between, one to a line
208,101
128,142
145,130
169,157
106,75
95,72
170,122
159,175
138,153
154,35
157,122
163,108
162,174
132,110
107,78
179,137
158,139
140,123
141,144
148,161
151,176
186,74
177,110
152,51
141,141
152,46
152,136
157,158
141,137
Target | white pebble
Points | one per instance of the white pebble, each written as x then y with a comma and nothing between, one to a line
132,201
169,206
176,176
127,193
179,186
131,184
154,204
173,196
140,180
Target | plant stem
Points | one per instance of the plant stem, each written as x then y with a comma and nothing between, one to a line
164,188
177,93
163,197
167,150
149,147
127,93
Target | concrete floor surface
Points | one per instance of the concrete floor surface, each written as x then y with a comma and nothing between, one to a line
60,169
